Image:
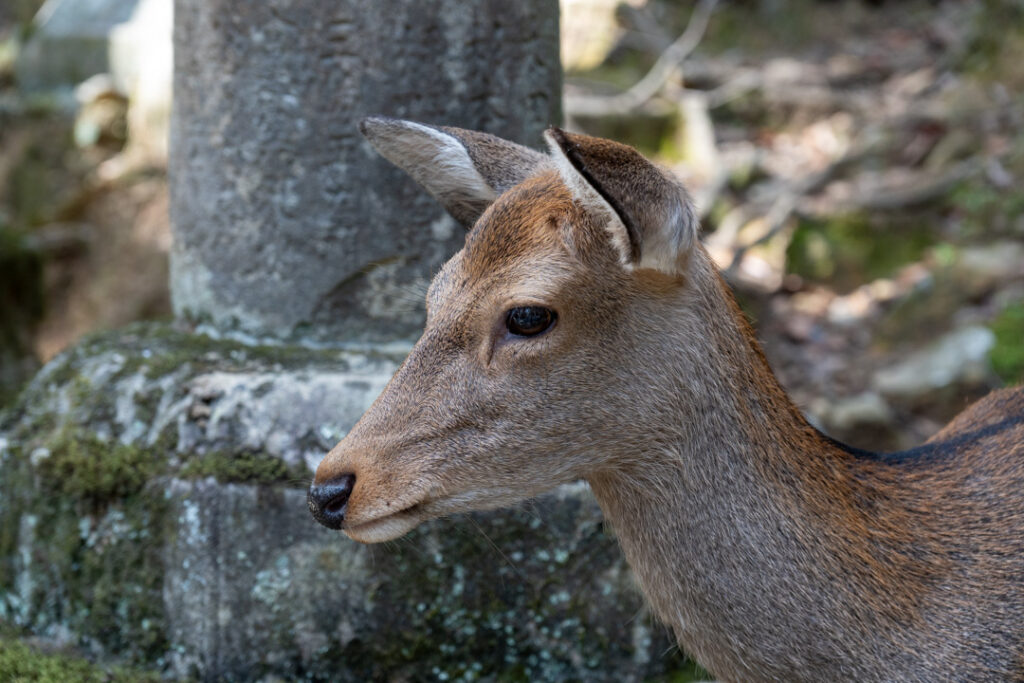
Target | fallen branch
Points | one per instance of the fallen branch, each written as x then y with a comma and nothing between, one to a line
921,192
651,84
795,202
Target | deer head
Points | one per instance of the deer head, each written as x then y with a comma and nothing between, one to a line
583,332
544,334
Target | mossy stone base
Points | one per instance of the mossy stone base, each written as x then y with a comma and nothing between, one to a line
152,509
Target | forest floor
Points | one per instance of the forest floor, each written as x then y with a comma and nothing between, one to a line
858,169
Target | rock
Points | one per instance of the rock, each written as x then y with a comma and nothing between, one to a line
152,508
956,361
251,587
69,42
865,420
980,269
286,222
866,409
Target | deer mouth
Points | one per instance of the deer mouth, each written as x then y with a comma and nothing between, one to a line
436,503
386,527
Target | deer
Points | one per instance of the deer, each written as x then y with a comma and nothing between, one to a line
584,333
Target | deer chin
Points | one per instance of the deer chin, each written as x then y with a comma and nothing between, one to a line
388,527
394,525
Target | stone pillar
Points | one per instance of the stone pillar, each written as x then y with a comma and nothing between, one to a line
286,223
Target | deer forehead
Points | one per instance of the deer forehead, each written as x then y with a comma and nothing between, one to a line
517,250
522,223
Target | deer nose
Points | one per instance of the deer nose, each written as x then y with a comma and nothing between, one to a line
329,500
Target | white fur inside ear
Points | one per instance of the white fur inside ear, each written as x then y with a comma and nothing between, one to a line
436,160
667,248
592,201
671,228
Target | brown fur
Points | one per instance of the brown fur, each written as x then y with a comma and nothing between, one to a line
774,552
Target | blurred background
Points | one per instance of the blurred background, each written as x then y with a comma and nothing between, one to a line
857,165
84,231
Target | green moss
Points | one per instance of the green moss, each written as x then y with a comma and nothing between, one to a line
98,527
1007,356
159,349
94,525
83,467
185,349
172,348
853,249
116,586
243,467
20,663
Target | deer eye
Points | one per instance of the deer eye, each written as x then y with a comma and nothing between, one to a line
529,321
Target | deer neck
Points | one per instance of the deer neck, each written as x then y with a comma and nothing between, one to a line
734,516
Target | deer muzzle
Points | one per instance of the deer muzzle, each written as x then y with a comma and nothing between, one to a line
329,501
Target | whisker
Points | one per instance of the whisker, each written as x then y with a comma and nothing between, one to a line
494,545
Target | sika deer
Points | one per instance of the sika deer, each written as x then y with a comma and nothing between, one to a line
583,332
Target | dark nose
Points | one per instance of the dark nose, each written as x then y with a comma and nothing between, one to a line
329,500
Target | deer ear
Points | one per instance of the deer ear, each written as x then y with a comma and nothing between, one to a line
648,213
463,169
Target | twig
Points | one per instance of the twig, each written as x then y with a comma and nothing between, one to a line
894,200
655,79
744,82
